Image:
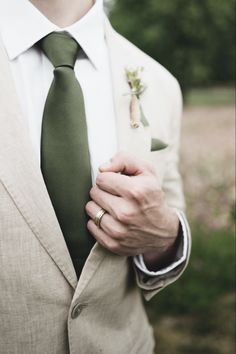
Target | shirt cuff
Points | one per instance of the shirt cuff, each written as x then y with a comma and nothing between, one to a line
181,254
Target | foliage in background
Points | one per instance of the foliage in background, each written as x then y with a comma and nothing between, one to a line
211,97
212,259
195,315
195,40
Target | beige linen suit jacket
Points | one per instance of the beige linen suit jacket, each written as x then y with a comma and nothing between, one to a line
43,308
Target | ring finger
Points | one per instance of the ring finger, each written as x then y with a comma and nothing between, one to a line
107,223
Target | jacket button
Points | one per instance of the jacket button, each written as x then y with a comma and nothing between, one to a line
77,309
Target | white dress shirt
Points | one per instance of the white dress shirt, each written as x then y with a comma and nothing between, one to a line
21,26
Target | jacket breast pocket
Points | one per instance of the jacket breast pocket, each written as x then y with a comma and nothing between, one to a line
159,159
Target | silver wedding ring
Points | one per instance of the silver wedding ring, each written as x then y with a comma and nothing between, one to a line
98,218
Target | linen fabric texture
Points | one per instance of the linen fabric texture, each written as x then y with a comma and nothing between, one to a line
43,307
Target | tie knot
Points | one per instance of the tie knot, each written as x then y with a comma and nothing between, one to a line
60,48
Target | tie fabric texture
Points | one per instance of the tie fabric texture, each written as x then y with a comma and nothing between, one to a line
65,160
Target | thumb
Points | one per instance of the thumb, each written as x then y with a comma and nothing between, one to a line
127,164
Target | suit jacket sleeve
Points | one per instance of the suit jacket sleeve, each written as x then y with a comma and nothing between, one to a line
172,186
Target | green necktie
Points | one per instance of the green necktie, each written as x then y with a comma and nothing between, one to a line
65,161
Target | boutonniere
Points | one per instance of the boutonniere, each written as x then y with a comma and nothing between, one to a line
137,87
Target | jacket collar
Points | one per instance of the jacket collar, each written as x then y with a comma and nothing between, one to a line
22,25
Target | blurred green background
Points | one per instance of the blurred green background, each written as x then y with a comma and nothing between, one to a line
195,40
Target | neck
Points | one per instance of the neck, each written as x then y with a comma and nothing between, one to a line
63,13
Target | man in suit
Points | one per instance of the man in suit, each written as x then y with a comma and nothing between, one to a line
68,143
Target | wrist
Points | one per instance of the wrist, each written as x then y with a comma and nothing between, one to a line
160,258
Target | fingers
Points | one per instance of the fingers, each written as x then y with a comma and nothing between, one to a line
111,203
115,183
105,234
92,209
112,244
102,238
139,189
110,226
127,164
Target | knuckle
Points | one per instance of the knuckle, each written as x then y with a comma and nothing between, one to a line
111,245
115,248
160,195
108,243
125,216
138,193
144,191
117,233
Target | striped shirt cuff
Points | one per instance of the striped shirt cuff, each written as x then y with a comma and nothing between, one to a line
181,254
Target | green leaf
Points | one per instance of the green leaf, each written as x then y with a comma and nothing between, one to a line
156,144
143,118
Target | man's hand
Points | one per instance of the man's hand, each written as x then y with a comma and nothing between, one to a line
138,220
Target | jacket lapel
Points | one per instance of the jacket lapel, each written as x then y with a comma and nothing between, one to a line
22,177
133,140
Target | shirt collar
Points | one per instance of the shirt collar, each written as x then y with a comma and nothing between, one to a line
22,25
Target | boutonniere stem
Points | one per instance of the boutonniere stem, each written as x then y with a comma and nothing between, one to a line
137,87
135,114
